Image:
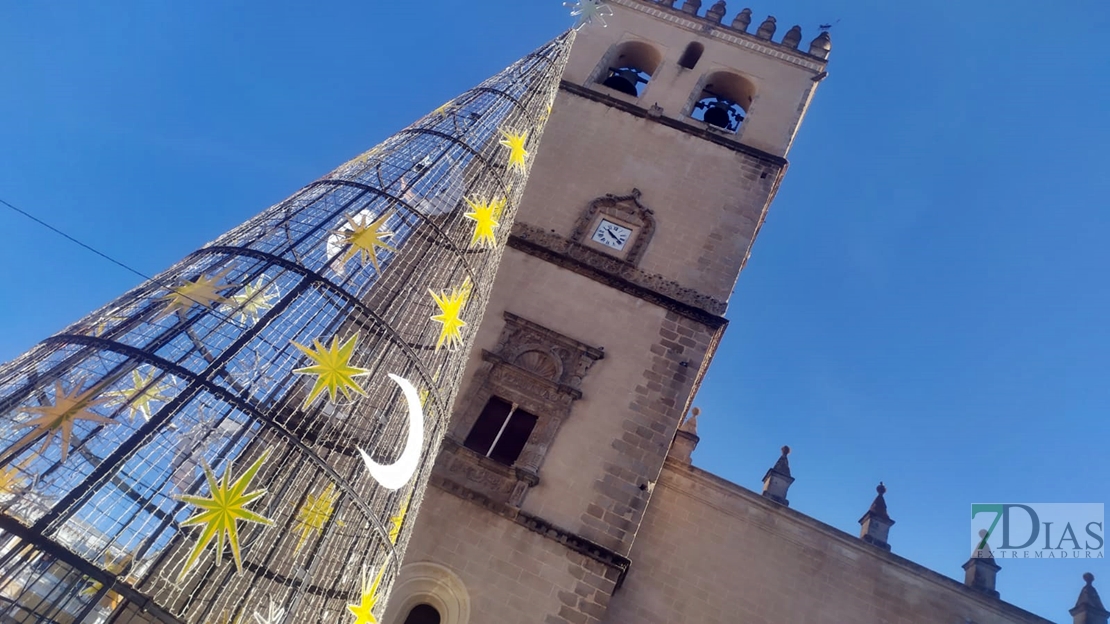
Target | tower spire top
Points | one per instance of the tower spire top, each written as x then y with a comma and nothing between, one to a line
981,571
1088,608
778,479
875,524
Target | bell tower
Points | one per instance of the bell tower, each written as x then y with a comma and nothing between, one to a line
661,156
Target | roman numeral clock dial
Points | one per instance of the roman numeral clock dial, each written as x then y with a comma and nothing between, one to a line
611,235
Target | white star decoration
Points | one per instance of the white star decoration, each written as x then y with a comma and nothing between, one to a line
273,615
587,11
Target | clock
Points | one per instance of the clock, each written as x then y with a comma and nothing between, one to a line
611,235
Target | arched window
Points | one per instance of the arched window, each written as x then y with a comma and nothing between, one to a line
423,614
724,101
629,67
692,55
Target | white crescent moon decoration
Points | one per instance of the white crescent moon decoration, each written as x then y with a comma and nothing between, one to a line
394,476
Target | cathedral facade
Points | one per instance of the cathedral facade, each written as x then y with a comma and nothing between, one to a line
564,491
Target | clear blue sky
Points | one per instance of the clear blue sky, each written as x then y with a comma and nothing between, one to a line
927,304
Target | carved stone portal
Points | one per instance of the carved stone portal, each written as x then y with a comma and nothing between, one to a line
540,370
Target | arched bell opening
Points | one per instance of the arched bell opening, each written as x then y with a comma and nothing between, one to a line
724,101
630,67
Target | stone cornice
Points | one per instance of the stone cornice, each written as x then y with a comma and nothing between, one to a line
537,525
728,35
576,543
727,488
617,274
700,132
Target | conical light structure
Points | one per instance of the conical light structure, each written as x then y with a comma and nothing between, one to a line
247,436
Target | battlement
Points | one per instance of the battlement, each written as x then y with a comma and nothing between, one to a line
740,26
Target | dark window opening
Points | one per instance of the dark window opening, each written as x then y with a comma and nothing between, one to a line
627,80
488,425
717,110
423,614
501,431
692,55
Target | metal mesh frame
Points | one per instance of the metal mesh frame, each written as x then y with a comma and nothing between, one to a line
91,530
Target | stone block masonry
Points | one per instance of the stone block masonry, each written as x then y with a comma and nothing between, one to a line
621,494
712,552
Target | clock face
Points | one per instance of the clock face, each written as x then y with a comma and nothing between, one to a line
611,235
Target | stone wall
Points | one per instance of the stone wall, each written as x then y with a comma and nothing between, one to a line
705,224
710,551
510,574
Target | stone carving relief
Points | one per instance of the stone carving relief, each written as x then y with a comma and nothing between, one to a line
541,371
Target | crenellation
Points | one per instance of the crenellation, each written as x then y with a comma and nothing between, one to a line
742,20
716,12
714,16
793,37
767,28
821,46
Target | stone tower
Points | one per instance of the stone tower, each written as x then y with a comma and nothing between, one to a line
662,154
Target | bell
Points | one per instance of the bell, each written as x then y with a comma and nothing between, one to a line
718,115
623,80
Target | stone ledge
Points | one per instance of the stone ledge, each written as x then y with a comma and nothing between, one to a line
617,274
701,133
576,543
470,471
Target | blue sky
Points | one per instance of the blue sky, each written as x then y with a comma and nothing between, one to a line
927,304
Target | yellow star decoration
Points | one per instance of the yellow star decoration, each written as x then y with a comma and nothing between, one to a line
443,110
115,566
315,512
142,392
12,481
204,291
365,237
546,115
397,521
332,369
364,610
450,309
227,618
427,392
251,302
517,154
222,511
364,157
69,407
102,326
486,215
